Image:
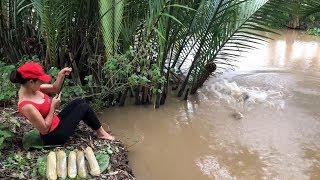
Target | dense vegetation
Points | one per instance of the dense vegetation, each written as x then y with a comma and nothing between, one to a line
304,15
139,48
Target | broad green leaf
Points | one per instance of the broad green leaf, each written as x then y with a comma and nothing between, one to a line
42,165
32,139
111,13
103,160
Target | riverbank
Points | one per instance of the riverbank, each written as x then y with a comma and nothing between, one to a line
18,163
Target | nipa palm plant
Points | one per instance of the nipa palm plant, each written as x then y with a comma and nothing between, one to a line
226,28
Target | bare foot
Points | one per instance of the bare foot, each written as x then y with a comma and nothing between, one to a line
102,134
106,137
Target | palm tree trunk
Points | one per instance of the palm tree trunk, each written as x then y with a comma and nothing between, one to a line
123,97
205,74
164,57
186,80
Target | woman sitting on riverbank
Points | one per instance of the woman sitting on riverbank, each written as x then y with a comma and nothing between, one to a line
36,106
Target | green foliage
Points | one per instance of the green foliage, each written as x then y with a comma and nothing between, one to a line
120,44
220,31
111,13
135,80
313,31
7,89
108,149
89,80
308,7
15,28
16,162
97,104
9,122
26,58
33,140
103,159
118,73
42,165
118,67
5,135
7,128
53,16
157,78
53,71
70,90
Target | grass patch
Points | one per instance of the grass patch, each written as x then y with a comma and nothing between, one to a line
313,31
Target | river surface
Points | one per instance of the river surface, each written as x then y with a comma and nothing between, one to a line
278,136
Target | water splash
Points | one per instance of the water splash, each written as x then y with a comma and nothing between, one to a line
241,98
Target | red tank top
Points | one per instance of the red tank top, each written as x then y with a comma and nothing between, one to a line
44,109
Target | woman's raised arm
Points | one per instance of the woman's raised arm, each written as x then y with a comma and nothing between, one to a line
56,86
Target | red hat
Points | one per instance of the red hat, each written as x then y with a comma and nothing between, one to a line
33,70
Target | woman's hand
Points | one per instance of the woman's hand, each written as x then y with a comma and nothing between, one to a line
65,71
55,102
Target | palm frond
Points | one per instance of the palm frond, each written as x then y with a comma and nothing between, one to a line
12,24
236,27
309,7
53,15
111,13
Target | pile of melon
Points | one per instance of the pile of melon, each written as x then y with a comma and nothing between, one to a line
78,163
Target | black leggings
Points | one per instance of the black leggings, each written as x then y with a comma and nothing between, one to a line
70,117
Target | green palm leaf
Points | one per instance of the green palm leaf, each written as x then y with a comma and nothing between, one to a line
111,12
309,7
234,27
53,15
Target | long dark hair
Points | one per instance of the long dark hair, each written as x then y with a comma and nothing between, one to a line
16,77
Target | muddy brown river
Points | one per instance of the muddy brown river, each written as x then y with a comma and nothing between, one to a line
278,136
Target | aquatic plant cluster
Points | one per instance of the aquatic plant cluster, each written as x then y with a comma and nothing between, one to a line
140,48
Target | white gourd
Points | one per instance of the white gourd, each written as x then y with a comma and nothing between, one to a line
72,165
81,164
61,164
93,163
51,166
